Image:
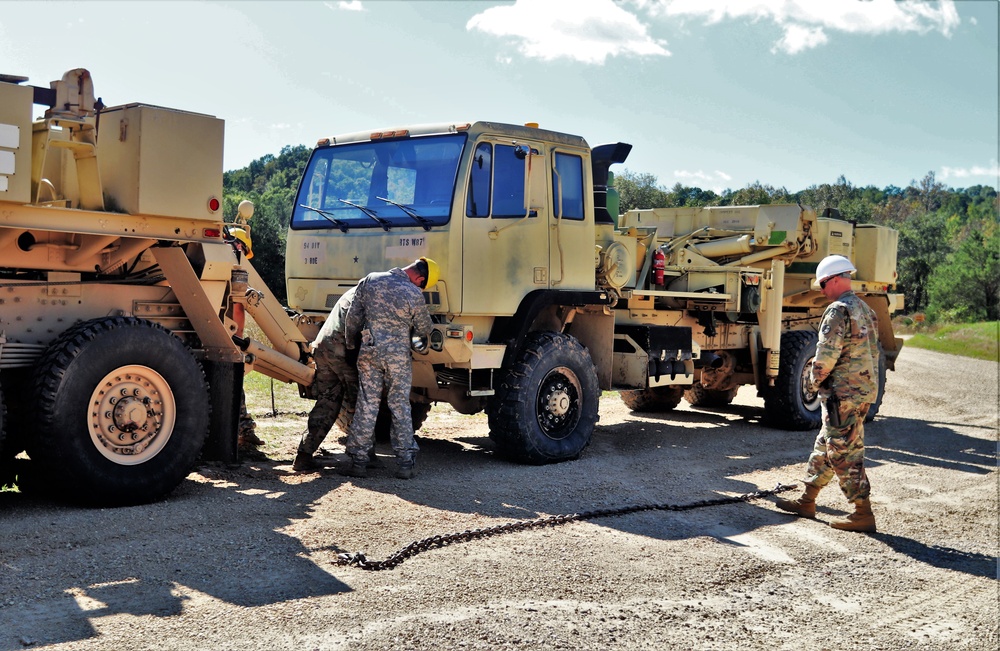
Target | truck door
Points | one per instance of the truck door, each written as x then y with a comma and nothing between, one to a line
505,244
572,232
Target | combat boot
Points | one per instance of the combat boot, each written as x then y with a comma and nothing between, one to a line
304,462
861,520
354,468
407,468
373,460
804,506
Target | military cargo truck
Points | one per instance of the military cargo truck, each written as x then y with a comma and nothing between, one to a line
547,297
121,298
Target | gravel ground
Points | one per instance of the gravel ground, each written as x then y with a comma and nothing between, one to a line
244,557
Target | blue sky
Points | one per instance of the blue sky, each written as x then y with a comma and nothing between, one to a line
711,93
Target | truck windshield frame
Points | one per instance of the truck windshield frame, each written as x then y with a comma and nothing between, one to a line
390,183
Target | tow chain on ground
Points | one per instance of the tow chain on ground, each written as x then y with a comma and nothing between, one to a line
360,560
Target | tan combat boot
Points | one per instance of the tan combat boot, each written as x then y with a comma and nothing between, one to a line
861,520
804,506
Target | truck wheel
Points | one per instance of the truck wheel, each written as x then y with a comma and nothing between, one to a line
383,423
873,410
5,457
545,408
122,412
653,399
699,396
787,405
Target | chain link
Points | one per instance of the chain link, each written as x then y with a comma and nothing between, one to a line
360,560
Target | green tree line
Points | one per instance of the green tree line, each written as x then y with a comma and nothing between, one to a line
949,239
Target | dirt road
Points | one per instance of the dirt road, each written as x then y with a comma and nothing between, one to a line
243,558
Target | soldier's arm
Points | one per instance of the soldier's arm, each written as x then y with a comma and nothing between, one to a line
829,346
355,319
421,320
873,339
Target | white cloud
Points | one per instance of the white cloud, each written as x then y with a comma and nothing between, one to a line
588,31
990,172
346,5
798,38
702,177
807,23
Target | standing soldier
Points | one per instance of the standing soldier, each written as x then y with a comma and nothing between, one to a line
247,440
845,373
388,309
333,373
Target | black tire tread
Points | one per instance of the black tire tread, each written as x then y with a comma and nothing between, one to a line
782,402
653,399
699,396
66,469
511,411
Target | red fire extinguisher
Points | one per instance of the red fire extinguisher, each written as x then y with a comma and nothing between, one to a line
659,264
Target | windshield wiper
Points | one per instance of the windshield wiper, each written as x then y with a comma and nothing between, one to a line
426,223
342,225
384,223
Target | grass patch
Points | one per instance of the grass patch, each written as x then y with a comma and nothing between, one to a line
976,340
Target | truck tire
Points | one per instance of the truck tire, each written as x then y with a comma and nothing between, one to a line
699,396
122,411
653,399
3,412
5,457
545,408
786,404
383,423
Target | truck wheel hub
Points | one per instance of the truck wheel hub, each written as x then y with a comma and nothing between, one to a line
132,414
558,398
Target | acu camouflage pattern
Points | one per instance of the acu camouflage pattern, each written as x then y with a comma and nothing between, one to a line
845,368
387,309
333,373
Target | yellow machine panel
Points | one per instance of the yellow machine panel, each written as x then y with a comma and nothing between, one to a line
160,161
875,253
15,143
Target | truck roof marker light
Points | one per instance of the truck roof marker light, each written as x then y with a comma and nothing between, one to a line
214,204
322,142
398,133
531,125
462,127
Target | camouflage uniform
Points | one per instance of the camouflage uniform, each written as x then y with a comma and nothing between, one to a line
333,372
845,371
247,438
388,308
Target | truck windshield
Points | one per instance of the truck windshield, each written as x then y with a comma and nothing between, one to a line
380,184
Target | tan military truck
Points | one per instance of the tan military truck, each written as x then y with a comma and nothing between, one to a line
546,297
121,300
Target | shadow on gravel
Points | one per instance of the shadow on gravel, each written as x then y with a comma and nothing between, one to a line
678,458
58,577
921,443
942,557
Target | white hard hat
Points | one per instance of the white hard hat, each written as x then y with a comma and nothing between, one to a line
833,265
